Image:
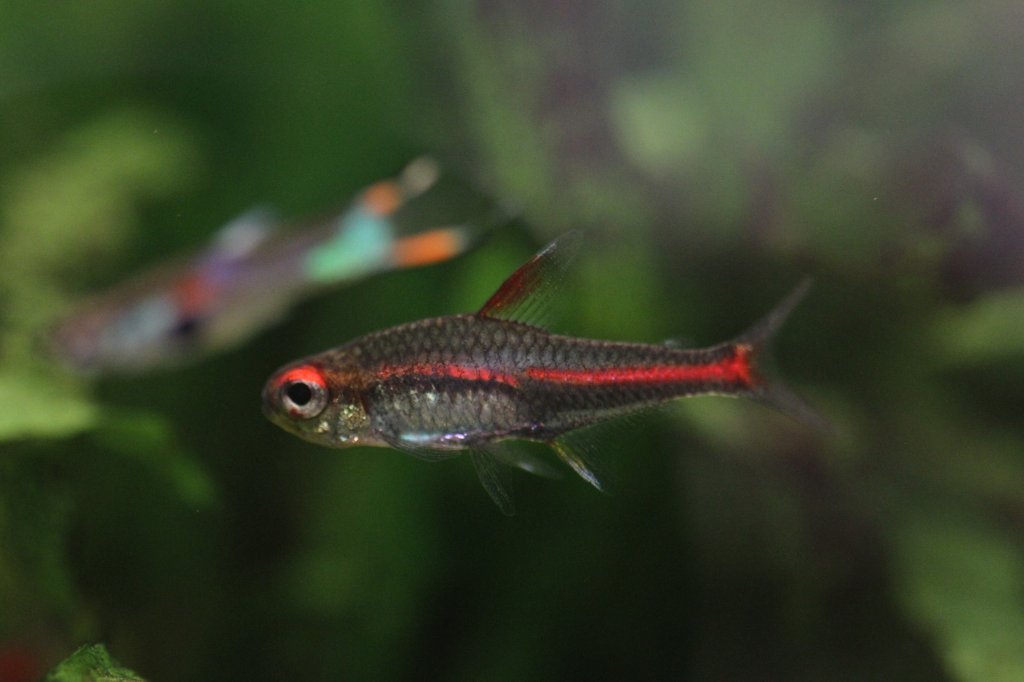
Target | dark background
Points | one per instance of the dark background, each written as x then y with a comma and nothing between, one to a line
716,152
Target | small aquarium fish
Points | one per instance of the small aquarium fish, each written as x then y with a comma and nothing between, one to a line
443,386
252,274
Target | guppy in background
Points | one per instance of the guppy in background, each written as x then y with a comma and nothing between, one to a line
439,387
252,274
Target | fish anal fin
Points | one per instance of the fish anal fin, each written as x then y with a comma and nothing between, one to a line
488,470
516,454
576,453
525,294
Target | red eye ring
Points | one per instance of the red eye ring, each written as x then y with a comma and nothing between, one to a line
302,392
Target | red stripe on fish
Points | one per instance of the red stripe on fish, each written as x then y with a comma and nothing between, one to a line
733,369
448,371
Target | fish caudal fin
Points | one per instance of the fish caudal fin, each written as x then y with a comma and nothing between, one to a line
769,389
433,246
418,206
385,197
420,217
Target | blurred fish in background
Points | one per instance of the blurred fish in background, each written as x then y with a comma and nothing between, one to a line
252,273
711,150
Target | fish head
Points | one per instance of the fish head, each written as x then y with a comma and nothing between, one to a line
318,403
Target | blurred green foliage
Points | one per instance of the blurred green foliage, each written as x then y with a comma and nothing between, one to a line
91,664
715,152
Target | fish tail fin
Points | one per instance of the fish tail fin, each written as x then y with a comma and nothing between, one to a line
768,388
385,197
420,213
432,246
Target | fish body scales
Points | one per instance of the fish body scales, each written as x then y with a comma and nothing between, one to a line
467,378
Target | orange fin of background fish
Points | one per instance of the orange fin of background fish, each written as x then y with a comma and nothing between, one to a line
382,198
385,197
526,294
433,246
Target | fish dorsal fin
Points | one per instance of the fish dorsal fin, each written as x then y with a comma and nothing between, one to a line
526,294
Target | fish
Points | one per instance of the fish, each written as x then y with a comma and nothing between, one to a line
449,385
250,275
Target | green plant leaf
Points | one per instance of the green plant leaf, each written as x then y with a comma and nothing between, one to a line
92,663
33,405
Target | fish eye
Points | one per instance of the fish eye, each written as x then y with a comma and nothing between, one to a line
303,392
299,393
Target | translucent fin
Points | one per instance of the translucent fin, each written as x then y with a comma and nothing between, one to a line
525,295
761,333
438,215
488,470
769,389
578,461
514,455
418,176
382,199
778,396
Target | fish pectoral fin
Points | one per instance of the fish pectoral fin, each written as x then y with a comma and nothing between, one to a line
491,476
526,294
575,454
